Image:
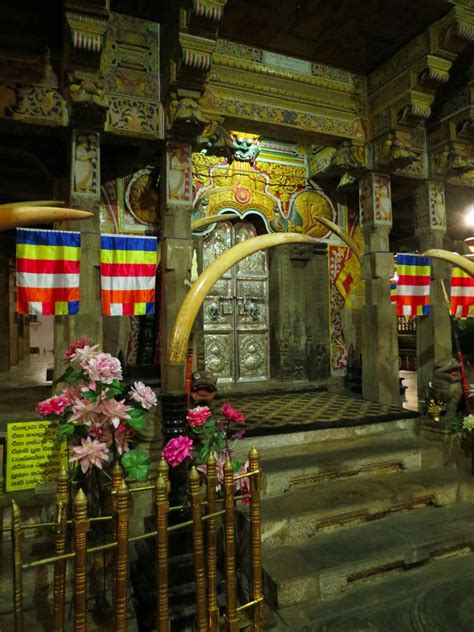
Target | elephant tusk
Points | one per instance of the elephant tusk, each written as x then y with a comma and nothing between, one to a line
34,203
201,223
452,257
178,344
13,216
337,230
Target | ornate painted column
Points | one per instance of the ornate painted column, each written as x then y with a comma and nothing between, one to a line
380,379
433,336
176,256
85,29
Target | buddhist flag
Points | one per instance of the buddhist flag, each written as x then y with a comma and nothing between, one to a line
413,285
128,275
47,271
393,290
462,293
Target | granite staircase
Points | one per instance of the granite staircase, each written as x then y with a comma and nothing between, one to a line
347,513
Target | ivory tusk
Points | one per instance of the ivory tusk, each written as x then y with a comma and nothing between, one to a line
34,203
452,257
178,344
201,223
13,216
337,230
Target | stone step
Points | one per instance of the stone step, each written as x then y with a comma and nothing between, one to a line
433,597
327,566
293,517
293,467
268,442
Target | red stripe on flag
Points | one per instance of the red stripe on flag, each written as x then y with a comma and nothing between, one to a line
127,269
407,279
48,266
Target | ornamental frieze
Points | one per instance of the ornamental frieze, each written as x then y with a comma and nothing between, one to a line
271,111
32,104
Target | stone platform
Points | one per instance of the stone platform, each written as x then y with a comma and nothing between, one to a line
279,413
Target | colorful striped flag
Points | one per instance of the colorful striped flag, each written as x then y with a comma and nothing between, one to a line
128,275
462,293
47,271
413,285
393,290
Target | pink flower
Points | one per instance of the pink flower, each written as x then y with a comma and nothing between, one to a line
177,450
243,484
70,393
102,367
90,453
77,344
220,462
232,414
52,406
82,354
114,411
143,395
197,416
85,411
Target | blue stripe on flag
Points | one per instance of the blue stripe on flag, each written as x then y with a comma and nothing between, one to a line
48,237
413,260
118,242
73,307
150,308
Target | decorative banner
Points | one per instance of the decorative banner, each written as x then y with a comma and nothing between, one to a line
47,271
31,456
462,294
128,275
413,285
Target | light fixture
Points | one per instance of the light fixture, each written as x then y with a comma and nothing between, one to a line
469,216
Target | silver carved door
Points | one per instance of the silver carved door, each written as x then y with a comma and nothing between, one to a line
236,340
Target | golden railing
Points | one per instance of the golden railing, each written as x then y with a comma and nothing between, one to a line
205,550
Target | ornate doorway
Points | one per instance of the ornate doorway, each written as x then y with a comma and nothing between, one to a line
236,328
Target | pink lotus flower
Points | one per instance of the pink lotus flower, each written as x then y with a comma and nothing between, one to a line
102,367
84,411
82,354
197,416
232,414
52,406
114,411
70,393
90,453
143,395
77,344
177,450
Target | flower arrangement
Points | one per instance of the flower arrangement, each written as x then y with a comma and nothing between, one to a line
94,414
210,433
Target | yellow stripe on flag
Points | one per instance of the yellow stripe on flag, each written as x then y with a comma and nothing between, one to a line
127,256
406,270
68,253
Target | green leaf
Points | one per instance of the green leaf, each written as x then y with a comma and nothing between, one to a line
204,453
136,464
64,376
64,431
138,422
90,395
219,442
